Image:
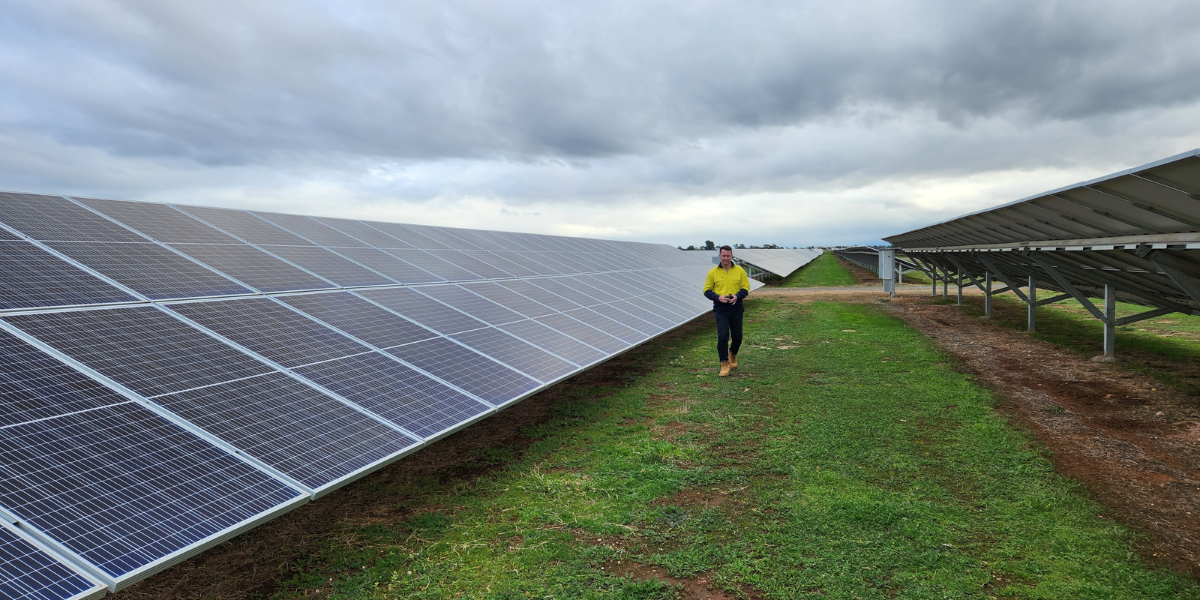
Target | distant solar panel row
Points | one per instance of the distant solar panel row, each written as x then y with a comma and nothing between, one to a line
171,376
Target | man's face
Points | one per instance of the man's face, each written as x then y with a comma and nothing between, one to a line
726,256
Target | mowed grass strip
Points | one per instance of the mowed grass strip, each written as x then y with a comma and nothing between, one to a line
823,271
844,459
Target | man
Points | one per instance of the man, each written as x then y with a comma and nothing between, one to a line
727,285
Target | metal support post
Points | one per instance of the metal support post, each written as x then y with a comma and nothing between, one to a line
1031,297
933,277
945,282
960,288
987,293
1110,320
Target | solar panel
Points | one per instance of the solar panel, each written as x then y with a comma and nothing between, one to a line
502,264
395,392
272,330
29,572
160,222
423,310
253,267
612,327
34,385
55,218
504,296
31,277
312,437
473,304
365,232
570,265
441,236
470,263
467,369
654,312
558,287
556,342
149,269
245,226
330,266
124,488
479,239
312,230
444,270
387,264
530,359
584,333
359,318
142,348
540,295
406,234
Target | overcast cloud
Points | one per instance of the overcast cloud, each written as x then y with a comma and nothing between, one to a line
790,122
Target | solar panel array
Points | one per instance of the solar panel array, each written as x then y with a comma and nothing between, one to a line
777,261
171,376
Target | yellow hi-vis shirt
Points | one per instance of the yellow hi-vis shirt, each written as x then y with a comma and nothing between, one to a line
723,283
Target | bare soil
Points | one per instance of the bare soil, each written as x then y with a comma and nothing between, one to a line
1132,442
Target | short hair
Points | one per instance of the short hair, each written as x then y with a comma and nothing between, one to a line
727,248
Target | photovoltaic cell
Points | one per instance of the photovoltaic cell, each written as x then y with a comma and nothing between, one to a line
470,263
442,235
28,573
614,328
538,294
31,277
648,312
568,265
423,310
34,385
559,287
526,260
245,226
329,265
160,222
530,359
365,232
472,238
272,330
142,348
54,218
553,341
585,333
150,269
395,392
359,318
629,320
501,264
466,369
395,268
408,235
437,266
473,304
312,230
123,487
253,267
505,296
304,433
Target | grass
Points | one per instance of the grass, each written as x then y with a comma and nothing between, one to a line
1165,348
823,271
845,459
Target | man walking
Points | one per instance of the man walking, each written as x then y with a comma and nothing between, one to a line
727,285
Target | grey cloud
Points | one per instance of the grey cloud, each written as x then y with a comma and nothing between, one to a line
228,83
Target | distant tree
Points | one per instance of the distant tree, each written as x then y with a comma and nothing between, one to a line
691,247
709,245
740,246
772,246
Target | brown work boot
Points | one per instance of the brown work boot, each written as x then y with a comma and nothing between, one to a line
724,369
732,361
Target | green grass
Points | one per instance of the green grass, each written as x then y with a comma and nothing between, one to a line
845,459
1165,348
823,271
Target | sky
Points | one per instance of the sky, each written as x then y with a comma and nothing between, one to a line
795,122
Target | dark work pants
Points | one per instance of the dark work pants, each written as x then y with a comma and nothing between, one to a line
729,322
